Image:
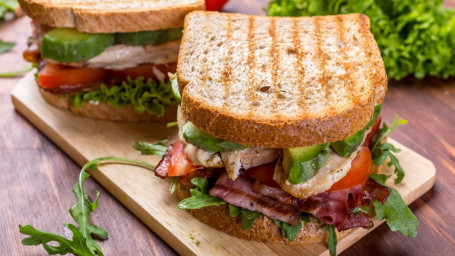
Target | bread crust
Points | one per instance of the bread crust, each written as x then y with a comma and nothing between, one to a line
269,129
101,20
263,228
105,111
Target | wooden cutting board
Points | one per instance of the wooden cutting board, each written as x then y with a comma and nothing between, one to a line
147,196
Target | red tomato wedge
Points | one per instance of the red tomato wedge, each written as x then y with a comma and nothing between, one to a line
359,172
180,164
264,173
147,71
374,130
214,5
52,76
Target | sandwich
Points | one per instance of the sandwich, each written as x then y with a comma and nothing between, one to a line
109,59
279,127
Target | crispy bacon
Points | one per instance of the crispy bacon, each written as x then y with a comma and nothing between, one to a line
332,208
374,190
162,167
240,193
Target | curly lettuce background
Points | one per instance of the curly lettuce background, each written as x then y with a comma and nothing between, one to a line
416,37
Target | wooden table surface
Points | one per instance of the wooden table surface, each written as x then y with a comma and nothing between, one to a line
36,177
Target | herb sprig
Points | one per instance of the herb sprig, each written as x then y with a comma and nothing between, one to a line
381,150
82,242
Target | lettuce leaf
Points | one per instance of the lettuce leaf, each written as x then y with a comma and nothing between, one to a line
416,37
144,96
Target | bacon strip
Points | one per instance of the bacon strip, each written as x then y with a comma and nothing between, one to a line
162,167
240,193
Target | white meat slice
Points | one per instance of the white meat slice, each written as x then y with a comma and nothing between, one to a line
247,158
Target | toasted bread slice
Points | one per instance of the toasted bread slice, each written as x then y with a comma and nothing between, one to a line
109,16
279,82
105,111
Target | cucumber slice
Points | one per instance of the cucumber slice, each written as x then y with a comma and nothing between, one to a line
301,164
206,141
347,146
70,45
149,37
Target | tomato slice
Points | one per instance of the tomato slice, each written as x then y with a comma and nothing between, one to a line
264,173
214,5
52,76
359,172
369,138
180,164
147,71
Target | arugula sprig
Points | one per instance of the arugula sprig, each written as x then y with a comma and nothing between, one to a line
82,242
146,148
382,150
199,196
397,214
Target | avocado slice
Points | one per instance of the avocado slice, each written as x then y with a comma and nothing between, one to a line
303,163
347,146
149,37
70,45
206,141
377,111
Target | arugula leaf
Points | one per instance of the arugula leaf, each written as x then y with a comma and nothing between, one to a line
382,150
77,246
80,213
248,218
380,178
397,214
233,210
143,95
287,230
332,239
415,37
199,196
146,148
174,183
82,243
6,46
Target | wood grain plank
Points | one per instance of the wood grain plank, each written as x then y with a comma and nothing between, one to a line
148,196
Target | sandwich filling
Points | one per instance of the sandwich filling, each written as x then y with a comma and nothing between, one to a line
329,182
118,69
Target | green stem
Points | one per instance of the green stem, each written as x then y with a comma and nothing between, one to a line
16,73
94,163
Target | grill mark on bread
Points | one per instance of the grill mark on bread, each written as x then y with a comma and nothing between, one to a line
227,72
298,65
251,64
347,67
322,61
365,34
274,55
